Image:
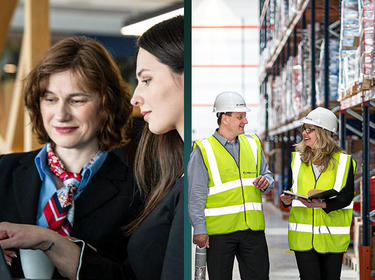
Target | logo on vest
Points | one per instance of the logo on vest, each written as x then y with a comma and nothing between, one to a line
248,172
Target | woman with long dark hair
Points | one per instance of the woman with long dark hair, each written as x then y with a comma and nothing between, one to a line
157,234
155,249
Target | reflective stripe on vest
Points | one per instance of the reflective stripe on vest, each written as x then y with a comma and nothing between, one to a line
218,185
230,185
314,228
318,229
233,202
341,171
295,170
233,209
212,162
297,203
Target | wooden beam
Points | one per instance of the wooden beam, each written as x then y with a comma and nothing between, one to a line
16,110
37,33
37,42
6,12
2,145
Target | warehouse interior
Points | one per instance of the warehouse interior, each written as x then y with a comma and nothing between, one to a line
278,55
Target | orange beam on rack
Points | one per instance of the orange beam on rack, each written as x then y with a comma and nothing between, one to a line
225,66
211,105
225,26
364,262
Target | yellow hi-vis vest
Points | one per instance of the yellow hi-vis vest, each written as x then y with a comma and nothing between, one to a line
233,202
313,228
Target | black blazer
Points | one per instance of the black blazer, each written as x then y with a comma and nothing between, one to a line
156,247
109,201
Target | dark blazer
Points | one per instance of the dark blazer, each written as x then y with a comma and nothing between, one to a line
156,247
109,201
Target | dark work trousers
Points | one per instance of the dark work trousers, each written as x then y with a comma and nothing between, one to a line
315,266
250,249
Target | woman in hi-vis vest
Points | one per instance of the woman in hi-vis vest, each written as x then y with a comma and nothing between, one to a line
319,229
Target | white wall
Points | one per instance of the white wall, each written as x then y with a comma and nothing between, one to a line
228,47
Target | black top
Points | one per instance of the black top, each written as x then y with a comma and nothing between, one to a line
155,249
109,201
344,197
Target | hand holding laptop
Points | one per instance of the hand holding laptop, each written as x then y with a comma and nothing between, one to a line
63,253
35,263
23,236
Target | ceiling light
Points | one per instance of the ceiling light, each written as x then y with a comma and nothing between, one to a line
138,28
10,68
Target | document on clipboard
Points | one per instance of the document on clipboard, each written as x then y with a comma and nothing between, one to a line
314,194
296,195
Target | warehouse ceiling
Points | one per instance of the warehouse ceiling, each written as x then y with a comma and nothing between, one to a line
95,16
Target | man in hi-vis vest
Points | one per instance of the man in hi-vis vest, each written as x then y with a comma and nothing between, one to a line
227,173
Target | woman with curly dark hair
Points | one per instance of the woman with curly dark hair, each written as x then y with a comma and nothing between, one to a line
79,108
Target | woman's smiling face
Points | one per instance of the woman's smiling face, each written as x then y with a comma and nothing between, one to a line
159,94
309,134
69,114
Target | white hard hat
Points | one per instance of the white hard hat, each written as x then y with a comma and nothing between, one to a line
230,101
323,118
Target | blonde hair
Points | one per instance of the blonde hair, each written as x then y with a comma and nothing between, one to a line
321,153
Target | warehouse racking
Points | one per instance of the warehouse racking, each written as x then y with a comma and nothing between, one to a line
300,38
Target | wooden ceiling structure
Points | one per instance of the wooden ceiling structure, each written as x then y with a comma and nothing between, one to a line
16,135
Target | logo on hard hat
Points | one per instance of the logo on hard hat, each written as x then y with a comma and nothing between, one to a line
229,102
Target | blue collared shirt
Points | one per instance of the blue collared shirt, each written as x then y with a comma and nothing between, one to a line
48,185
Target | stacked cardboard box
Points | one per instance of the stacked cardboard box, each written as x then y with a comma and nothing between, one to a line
349,51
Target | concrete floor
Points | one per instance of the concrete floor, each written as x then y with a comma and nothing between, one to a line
282,261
